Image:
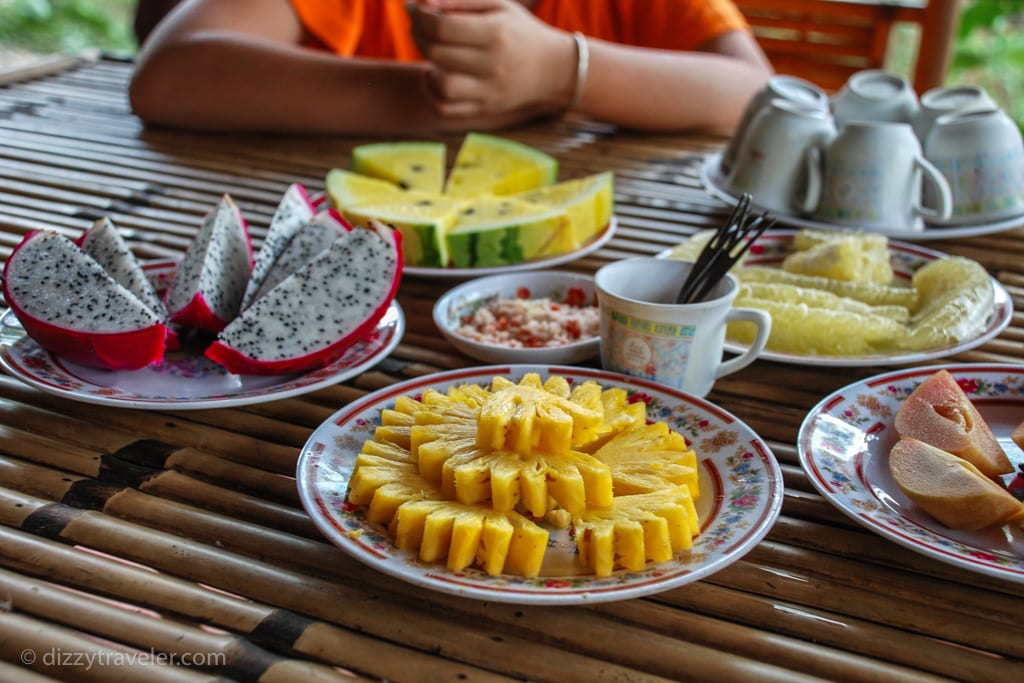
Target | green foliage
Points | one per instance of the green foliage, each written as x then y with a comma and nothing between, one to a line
48,26
989,51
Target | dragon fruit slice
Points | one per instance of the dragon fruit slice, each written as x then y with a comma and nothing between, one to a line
72,307
294,211
207,290
311,239
316,314
104,242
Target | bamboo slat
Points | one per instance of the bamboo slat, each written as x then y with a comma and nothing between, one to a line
181,532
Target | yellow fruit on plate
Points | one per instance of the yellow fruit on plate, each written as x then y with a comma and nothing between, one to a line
586,203
847,257
348,190
423,220
956,299
460,476
411,165
818,298
798,329
487,164
635,529
869,293
496,231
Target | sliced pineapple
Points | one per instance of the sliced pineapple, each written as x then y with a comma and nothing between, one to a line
635,529
649,458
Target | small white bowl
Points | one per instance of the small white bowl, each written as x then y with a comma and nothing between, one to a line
463,299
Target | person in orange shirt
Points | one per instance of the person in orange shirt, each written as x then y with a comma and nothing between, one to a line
383,67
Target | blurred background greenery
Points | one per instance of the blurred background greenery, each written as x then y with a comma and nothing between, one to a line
989,48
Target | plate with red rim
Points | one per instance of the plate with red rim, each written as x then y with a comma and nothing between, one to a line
711,179
773,246
740,480
843,447
185,379
593,245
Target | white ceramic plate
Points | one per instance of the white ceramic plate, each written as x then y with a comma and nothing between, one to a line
741,496
711,178
844,448
185,380
536,264
774,245
463,299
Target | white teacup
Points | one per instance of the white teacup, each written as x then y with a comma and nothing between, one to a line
778,164
947,99
778,87
873,179
644,333
874,95
981,155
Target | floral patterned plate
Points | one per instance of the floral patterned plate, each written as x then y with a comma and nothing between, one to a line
740,480
774,245
844,444
185,380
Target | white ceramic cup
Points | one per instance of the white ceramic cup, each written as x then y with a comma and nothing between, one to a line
644,333
874,95
981,155
778,164
947,99
874,171
778,87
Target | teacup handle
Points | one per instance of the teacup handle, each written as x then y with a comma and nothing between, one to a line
945,197
812,193
763,321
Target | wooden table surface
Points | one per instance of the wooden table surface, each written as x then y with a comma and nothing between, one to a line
177,537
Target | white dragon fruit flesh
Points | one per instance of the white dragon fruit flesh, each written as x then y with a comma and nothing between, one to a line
311,239
72,307
104,243
293,211
207,290
311,318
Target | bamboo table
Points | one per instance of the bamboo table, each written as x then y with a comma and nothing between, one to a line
171,545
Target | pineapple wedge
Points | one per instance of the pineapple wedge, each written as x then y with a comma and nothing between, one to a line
649,458
635,529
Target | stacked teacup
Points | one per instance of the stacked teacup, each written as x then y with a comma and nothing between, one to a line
875,156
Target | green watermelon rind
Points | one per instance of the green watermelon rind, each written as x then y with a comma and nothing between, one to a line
368,159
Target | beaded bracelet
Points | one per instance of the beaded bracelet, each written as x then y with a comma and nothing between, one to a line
582,64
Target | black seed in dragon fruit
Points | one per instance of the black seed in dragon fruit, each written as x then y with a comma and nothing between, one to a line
316,314
293,211
105,244
305,245
72,307
207,290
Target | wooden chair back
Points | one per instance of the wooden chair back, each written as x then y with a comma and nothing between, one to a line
825,41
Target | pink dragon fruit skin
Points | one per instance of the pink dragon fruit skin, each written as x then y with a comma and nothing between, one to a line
69,305
312,317
207,290
293,211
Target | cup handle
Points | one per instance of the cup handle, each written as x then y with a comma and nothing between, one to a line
945,197
812,193
763,321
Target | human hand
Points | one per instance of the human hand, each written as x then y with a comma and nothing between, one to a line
492,57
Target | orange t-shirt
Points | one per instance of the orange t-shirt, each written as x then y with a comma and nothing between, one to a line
380,28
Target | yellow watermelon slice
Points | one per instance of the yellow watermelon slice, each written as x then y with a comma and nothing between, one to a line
587,203
347,190
496,231
487,164
412,165
423,219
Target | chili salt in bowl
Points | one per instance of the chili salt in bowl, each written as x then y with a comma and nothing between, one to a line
535,331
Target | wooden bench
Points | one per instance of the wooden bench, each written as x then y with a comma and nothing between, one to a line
825,41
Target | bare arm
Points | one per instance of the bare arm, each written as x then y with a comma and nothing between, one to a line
493,54
211,67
